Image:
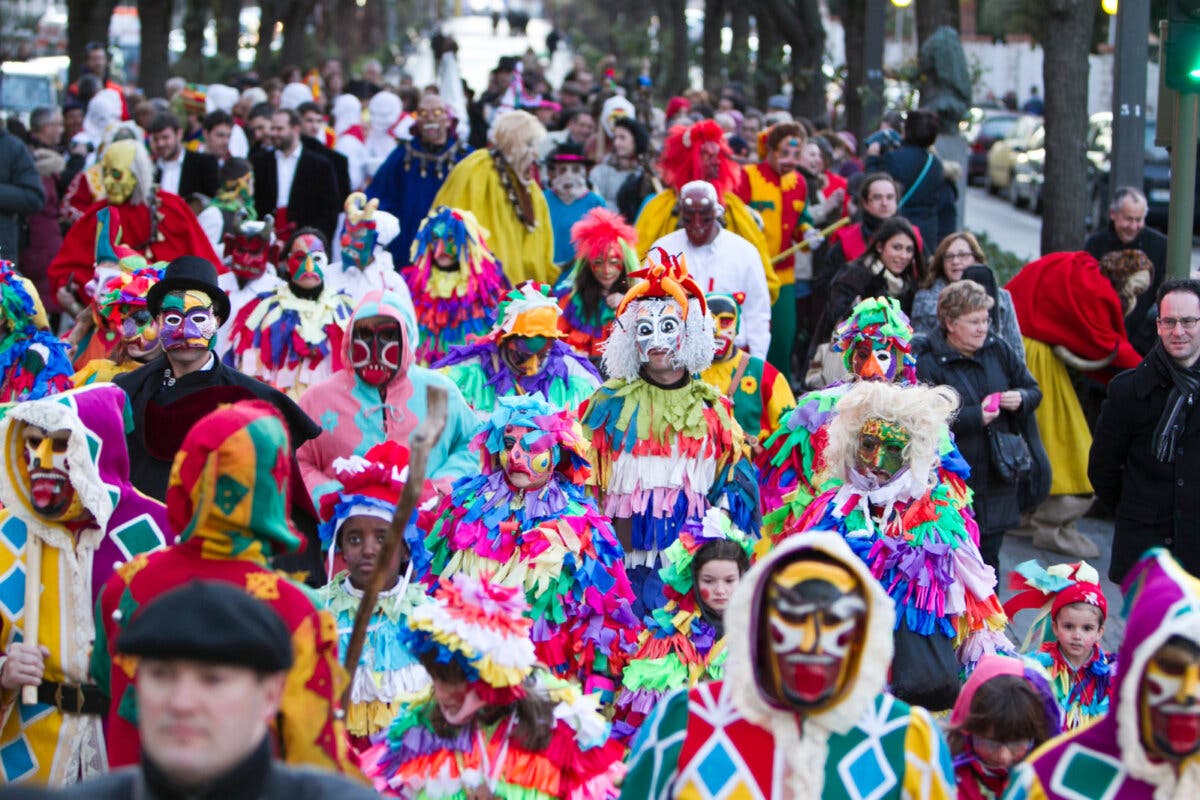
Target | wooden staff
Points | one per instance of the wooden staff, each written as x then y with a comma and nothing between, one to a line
803,246
422,440
33,604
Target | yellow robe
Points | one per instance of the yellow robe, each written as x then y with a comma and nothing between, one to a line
658,218
525,255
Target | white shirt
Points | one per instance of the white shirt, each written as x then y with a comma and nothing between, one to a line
728,264
170,174
285,173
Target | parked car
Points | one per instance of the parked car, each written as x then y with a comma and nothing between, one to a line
1003,154
985,127
25,86
1029,174
1156,173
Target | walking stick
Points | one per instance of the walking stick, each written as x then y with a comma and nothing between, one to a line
33,604
803,246
422,440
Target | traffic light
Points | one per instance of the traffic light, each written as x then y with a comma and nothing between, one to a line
1183,46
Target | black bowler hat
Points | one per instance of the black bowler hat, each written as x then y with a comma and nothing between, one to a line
213,622
189,272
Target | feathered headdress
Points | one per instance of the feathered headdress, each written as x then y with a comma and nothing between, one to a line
558,429
681,161
668,278
1049,589
528,310
878,319
124,292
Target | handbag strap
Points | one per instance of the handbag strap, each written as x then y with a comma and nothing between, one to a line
917,182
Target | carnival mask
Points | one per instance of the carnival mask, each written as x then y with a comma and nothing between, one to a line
444,245
50,490
358,243
607,267
726,314
812,634
710,161
433,122
873,360
249,249
116,171
698,216
525,355
187,321
376,349
659,328
880,451
570,181
528,457
306,261
1169,702
139,333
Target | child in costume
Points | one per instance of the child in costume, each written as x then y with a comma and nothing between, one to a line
667,447
455,280
33,362
684,642
120,310
523,354
883,495
291,337
1005,710
366,263
1065,636
495,724
592,288
355,521
528,522
759,392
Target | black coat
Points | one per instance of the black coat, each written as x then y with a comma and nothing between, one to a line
200,174
905,164
1139,323
314,201
995,367
1156,504
341,164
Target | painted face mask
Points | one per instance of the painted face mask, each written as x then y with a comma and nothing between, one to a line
139,332
445,247
880,451
698,216
358,244
525,355
48,473
249,250
726,313
307,261
1169,702
659,326
187,321
528,457
607,267
375,350
875,360
116,171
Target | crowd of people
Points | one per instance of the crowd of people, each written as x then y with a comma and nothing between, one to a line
731,418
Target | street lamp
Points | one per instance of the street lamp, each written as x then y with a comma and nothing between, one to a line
1109,7
902,3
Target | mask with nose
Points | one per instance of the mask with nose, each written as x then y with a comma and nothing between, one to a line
528,457
47,474
376,349
1169,700
307,260
360,233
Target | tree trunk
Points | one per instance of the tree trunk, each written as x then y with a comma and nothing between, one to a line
710,59
88,21
263,60
1065,68
768,69
932,14
739,52
295,17
194,20
800,23
854,22
156,29
228,26
675,55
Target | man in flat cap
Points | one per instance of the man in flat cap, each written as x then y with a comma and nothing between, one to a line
212,669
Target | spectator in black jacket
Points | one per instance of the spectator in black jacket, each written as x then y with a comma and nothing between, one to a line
294,184
176,169
20,192
918,170
312,135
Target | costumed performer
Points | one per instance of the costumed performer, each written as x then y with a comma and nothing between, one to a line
803,710
366,263
120,309
250,255
34,363
495,724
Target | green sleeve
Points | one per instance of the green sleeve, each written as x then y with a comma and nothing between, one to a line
101,665
654,760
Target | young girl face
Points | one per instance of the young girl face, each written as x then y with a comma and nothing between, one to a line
716,581
897,253
1078,628
997,755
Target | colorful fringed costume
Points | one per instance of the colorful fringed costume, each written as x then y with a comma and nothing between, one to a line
456,302
522,355
33,362
548,540
121,312
387,672
664,455
482,630
604,244
107,523
681,645
228,502
1083,691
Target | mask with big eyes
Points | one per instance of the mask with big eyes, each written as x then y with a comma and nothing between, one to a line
525,355
726,314
444,247
658,327
873,360
1169,702
307,261
48,474
811,636
880,451
139,333
358,244
116,171
376,351
187,321
528,457
248,255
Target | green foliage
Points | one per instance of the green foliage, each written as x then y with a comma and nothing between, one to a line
1000,18
1004,263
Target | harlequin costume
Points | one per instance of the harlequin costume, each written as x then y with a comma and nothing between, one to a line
909,530
682,163
665,454
548,540
121,314
355,415
601,234
523,354
33,362
732,740
482,629
1083,693
458,301
683,644
759,392
106,523
387,671
1112,757
228,505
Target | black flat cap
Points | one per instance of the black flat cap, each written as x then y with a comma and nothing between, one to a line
189,272
210,621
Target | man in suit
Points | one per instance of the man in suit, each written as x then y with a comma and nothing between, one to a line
180,171
293,183
314,134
